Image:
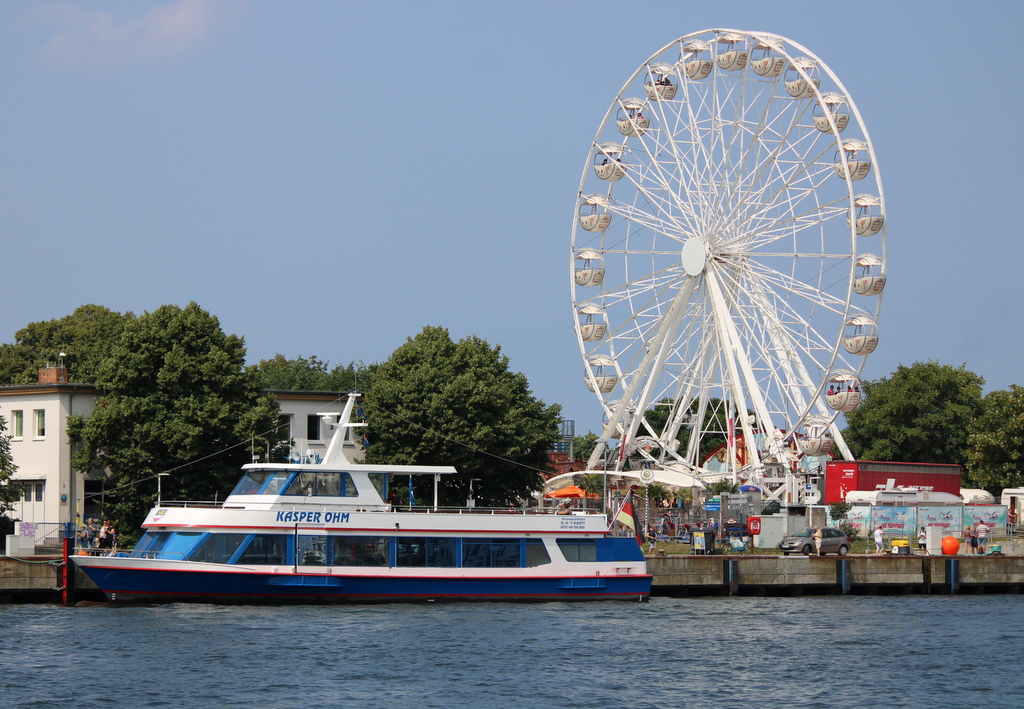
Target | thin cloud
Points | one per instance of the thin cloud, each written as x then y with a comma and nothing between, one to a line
85,37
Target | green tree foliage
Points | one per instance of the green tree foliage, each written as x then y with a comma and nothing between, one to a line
656,492
312,374
839,510
8,493
85,337
583,446
920,414
720,486
439,402
176,398
18,365
995,442
592,484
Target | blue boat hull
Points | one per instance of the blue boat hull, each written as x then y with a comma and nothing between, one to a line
160,586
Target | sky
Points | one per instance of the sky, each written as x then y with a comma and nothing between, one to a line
328,178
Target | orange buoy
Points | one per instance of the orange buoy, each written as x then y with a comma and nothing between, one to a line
950,546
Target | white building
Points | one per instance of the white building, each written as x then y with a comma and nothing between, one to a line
37,414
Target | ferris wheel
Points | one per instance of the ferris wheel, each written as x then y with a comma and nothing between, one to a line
728,257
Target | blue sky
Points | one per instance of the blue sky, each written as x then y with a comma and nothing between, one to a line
329,177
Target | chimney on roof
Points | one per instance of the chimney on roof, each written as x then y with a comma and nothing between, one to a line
51,374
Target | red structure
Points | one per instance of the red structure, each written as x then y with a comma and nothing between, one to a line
843,476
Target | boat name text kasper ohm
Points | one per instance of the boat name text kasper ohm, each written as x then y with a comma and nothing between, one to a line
313,517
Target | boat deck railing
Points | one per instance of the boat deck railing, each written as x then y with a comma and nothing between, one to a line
422,509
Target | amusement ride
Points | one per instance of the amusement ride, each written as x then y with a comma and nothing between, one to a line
728,262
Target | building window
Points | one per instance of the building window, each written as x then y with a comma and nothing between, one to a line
312,427
40,431
18,424
285,423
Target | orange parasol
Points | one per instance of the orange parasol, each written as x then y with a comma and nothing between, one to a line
571,491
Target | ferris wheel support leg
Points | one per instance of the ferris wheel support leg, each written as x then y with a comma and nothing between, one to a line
840,442
738,363
657,353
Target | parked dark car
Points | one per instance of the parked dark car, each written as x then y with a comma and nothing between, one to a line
833,541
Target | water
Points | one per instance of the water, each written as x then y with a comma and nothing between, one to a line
828,652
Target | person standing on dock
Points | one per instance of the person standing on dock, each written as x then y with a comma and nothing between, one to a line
817,540
879,540
88,533
970,543
981,534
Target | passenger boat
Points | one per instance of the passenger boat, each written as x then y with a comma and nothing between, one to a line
322,532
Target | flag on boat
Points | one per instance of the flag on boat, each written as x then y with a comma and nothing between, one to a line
627,516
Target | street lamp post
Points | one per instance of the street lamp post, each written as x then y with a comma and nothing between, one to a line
159,489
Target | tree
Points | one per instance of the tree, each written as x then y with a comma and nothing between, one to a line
583,446
995,442
9,493
920,414
18,365
722,486
85,338
436,401
656,492
312,374
839,510
593,483
177,398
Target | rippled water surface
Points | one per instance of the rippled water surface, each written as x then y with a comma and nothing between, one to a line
709,652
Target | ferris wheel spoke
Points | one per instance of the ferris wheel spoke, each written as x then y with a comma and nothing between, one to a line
785,285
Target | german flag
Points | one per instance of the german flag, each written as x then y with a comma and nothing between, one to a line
627,516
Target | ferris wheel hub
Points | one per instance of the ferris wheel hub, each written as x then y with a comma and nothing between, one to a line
694,256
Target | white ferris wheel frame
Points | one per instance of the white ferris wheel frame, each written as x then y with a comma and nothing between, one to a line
715,312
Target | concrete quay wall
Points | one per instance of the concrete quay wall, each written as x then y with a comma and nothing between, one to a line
38,579
30,579
735,575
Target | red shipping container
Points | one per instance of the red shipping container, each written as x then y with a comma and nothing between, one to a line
843,476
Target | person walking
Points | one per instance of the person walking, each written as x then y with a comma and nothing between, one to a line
879,541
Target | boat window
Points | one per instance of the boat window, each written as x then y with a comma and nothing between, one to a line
361,551
536,553
276,483
578,549
322,484
150,544
379,481
171,545
218,548
312,550
490,553
252,481
266,549
425,551
303,484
